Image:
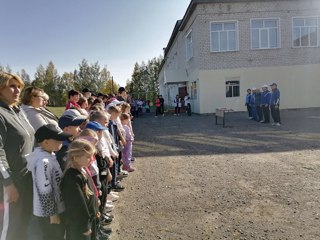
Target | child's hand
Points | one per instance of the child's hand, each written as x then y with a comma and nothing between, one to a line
98,214
99,203
100,193
110,162
55,219
87,233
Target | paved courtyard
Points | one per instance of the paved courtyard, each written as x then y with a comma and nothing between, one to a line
196,180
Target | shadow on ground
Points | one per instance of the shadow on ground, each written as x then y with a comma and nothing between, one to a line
198,135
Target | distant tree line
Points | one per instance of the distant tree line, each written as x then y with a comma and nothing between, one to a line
92,76
144,80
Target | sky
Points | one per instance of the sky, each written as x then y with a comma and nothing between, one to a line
116,33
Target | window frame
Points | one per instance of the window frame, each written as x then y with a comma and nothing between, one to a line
278,34
318,35
236,34
232,87
189,34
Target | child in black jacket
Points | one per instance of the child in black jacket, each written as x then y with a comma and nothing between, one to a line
78,193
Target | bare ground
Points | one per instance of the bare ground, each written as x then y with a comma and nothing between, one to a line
196,180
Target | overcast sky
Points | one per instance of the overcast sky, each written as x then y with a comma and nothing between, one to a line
116,33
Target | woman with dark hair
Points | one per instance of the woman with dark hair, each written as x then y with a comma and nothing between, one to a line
17,140
33,102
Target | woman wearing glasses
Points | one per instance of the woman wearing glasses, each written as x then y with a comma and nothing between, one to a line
33,103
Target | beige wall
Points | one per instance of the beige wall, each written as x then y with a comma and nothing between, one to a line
299,86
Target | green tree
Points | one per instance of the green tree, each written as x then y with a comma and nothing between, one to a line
144,80
88,76
39,77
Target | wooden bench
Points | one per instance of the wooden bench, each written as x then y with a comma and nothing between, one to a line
222,112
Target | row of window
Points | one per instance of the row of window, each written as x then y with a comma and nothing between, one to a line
265,34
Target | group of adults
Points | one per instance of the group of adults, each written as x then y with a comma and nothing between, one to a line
261,103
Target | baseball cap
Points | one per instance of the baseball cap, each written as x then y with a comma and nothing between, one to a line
72,112
68,120
95,126
51,131
85,90
265,86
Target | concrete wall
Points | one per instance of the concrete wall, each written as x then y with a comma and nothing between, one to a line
299,86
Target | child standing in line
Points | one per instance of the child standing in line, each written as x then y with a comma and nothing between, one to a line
73,97
113,129
78,193
48,205
127,151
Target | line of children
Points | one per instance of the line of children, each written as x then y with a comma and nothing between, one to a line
80,168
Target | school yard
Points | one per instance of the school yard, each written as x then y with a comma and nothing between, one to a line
196,180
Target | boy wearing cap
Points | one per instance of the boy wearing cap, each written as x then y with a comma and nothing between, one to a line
274,104
69,124
47,174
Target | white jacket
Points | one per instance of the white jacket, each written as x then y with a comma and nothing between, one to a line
47,175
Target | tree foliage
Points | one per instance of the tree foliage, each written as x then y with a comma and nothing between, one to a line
87,75
144,80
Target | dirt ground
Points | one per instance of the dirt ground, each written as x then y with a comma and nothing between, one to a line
196,180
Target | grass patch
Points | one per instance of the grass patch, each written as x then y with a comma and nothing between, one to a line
57,110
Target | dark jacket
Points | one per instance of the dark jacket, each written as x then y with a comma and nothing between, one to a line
275,97
81,210
16,141
257,99
62,155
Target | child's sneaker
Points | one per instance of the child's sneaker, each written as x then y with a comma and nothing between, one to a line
108,208
112,197
128,168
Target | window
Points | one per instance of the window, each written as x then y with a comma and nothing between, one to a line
189,49
306,31
194,90
224,36
232,89
264,33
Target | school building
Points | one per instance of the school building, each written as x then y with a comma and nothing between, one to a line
223,47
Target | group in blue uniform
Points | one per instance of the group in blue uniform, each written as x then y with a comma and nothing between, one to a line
260,104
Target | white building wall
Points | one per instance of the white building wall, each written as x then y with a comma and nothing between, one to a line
299,86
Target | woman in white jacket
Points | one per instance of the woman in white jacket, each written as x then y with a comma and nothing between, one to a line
33,102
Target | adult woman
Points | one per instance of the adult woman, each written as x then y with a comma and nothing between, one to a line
17,140
33,102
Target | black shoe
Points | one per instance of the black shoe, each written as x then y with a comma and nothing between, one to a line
118,187
105,230
102,236
105,220
133,159
109,215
